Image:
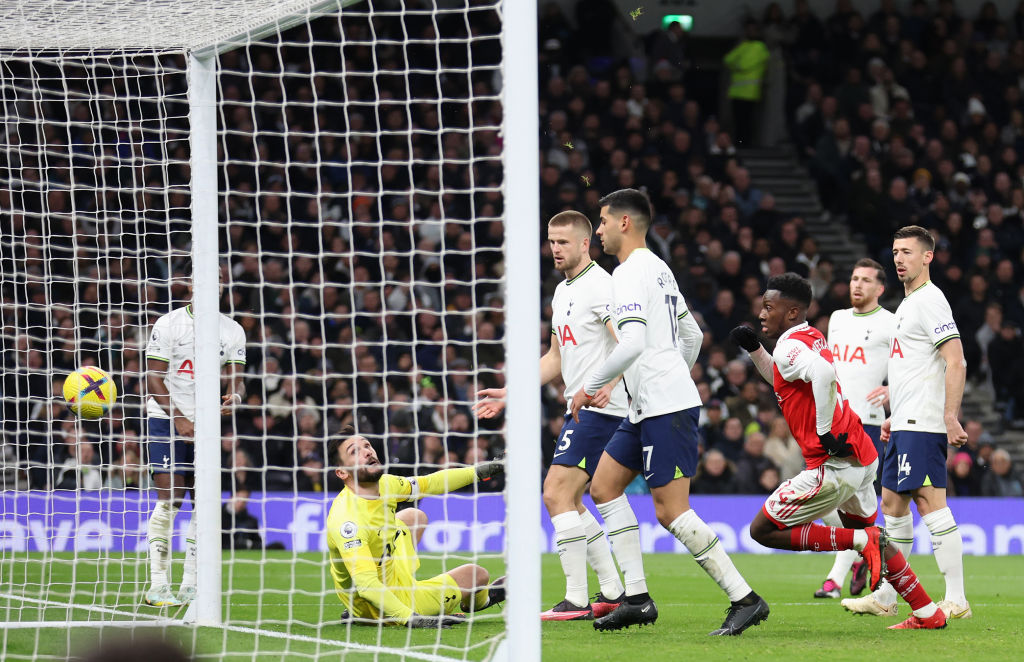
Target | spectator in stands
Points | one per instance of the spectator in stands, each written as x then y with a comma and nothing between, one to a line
715,475
746,63
751,463
963,479
1000,480
782,449
81,470
241,530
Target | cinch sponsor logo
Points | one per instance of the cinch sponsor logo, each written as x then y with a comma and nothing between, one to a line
628,308
948,326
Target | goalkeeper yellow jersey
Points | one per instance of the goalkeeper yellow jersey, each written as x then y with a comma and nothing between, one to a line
373,554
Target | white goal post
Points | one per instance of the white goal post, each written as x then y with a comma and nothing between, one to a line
50,32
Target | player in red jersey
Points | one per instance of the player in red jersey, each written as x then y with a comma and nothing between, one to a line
841,458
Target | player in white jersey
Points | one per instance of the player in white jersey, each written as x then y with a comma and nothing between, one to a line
859,338
658,344
170,381
581,338
927,372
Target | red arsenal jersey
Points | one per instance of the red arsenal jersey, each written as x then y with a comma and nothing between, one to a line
792,361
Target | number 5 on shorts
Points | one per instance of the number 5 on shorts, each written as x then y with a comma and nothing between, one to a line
564,444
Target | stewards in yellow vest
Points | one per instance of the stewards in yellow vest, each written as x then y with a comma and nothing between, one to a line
746,64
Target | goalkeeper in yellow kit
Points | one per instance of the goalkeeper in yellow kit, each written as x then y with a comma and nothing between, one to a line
373,549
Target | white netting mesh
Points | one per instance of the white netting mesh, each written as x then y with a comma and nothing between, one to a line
360,178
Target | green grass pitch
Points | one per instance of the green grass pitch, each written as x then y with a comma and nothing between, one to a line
690,605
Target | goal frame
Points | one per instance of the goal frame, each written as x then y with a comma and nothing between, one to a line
522,264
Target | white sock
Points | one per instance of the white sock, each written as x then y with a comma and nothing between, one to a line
599,556
926,611
158,537
886,594
571,543
841,566
189,578
624,535
948,547
901,532
702,542
860,539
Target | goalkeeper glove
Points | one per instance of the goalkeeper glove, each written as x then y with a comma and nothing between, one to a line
744,337
443,621
835,446
486,470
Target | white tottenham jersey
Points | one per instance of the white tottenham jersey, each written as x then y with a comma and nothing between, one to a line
173,340
860,344
917,372
579,310
658,382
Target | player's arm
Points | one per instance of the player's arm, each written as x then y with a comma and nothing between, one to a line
690,337
632,331
444,481
604,394
362,568
796,361
550,367
232,374
156,370
952,352
746,338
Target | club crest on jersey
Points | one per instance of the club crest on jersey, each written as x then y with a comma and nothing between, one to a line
565,336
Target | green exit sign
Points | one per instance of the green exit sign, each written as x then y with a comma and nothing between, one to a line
685,20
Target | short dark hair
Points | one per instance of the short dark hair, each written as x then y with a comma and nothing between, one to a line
573,219
916,232
335,444
632,202
872,264
793,287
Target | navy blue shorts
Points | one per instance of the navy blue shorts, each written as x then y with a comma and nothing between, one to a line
581,444
164,456
914,459
662,448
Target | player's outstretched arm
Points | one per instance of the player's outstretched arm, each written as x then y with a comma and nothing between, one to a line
448,480
494,403
746,338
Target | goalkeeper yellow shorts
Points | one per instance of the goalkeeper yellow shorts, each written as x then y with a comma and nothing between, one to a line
437,595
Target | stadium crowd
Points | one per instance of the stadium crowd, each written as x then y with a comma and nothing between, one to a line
370,291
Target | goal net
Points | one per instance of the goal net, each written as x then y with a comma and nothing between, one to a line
333,177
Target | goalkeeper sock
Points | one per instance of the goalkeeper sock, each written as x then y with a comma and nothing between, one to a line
599,555
702,542
158,537
571,543
948,547
901,532
189,578
624,535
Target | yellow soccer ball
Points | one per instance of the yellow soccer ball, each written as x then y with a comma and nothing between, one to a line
89,392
